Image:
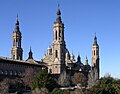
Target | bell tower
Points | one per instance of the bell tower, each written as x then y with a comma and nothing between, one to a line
95,51
16,52
58,46
95,57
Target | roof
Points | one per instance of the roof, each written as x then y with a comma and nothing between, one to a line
20,62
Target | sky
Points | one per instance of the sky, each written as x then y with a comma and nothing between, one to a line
82,19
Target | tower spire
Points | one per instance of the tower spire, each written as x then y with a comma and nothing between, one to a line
30,54
58,19
17,21
58,12
95,40
17,25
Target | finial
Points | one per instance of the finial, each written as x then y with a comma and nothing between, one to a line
17,16
58,19
17,25
95,33
78,58
86,57
86,61
17,22
95,39
58,12
30,48
58,5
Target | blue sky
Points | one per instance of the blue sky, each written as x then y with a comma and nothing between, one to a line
82,18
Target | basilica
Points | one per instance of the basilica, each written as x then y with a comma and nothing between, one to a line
57,59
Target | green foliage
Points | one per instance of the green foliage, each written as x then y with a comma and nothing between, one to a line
107,85
44,80
56,91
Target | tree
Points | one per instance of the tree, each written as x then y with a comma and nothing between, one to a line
4,86
40,91
56,91
79,78
44,80
16,85
28,77
66,91
64,79
107,85
77,91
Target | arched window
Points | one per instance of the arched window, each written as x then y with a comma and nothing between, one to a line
55,66
56,35
1,72
13,42
56,54
15,73
59,33
10,73
19,73
13,56
5,72
94,52
50,70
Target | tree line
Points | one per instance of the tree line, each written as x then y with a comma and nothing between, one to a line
44,83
